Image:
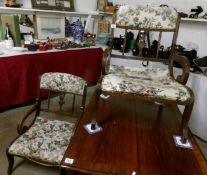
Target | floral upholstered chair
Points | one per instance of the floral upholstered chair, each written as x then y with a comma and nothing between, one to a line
148,83
44,139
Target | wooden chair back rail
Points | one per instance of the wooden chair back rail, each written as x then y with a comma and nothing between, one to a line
158,45
126,28
174,31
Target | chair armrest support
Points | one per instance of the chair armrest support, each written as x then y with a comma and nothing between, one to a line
106,61
185,64
21,128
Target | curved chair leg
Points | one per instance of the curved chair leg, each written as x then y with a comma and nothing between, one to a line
11,162
185,120
82,108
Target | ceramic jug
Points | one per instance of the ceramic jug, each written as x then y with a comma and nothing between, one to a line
78,31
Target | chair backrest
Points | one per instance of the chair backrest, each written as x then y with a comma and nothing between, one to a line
148,19
61,84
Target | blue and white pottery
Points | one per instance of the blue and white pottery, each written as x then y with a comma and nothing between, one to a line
78,31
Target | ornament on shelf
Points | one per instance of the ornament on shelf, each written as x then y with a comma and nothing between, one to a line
8,38
78,30
89,39
12,3
103,26
25,21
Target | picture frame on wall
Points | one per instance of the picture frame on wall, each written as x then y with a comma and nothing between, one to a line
101,4
49,25
61,5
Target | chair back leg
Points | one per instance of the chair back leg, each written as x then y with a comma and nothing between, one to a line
185,120
82,108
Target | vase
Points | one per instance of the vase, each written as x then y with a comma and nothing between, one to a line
77,31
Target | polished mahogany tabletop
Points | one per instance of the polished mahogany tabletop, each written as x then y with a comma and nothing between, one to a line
134,140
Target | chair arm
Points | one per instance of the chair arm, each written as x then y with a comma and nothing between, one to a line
185,64
106,61
21,128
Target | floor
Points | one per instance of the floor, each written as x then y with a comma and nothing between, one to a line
8,123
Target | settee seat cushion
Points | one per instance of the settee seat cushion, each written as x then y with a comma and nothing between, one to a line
165,89
47,141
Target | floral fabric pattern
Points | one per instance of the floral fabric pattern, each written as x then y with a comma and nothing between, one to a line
141,72
147,17
62,82
46,140
144,81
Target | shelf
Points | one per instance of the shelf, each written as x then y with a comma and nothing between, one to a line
11,10
194,20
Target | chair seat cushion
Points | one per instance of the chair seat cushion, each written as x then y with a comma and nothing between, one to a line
166,89
140,72
47,141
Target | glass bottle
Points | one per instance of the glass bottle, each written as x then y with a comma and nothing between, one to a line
8,34
8,38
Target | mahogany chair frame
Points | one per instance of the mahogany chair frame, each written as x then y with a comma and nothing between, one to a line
182,79
22,126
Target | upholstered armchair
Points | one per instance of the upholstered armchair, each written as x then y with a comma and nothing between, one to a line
156,85
43,139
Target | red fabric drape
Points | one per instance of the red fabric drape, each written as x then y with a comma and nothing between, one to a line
19,74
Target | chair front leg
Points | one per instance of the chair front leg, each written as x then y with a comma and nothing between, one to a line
184,122
96,107
10,161
82,108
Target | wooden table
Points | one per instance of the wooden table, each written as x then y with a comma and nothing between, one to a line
134,139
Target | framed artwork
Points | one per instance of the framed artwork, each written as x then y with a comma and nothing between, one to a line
48,25
2,3
101,4
63,5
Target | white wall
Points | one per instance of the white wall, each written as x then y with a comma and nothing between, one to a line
190,32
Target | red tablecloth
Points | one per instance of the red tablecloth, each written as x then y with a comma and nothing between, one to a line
19,74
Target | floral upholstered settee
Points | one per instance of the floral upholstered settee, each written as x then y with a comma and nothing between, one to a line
144,83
